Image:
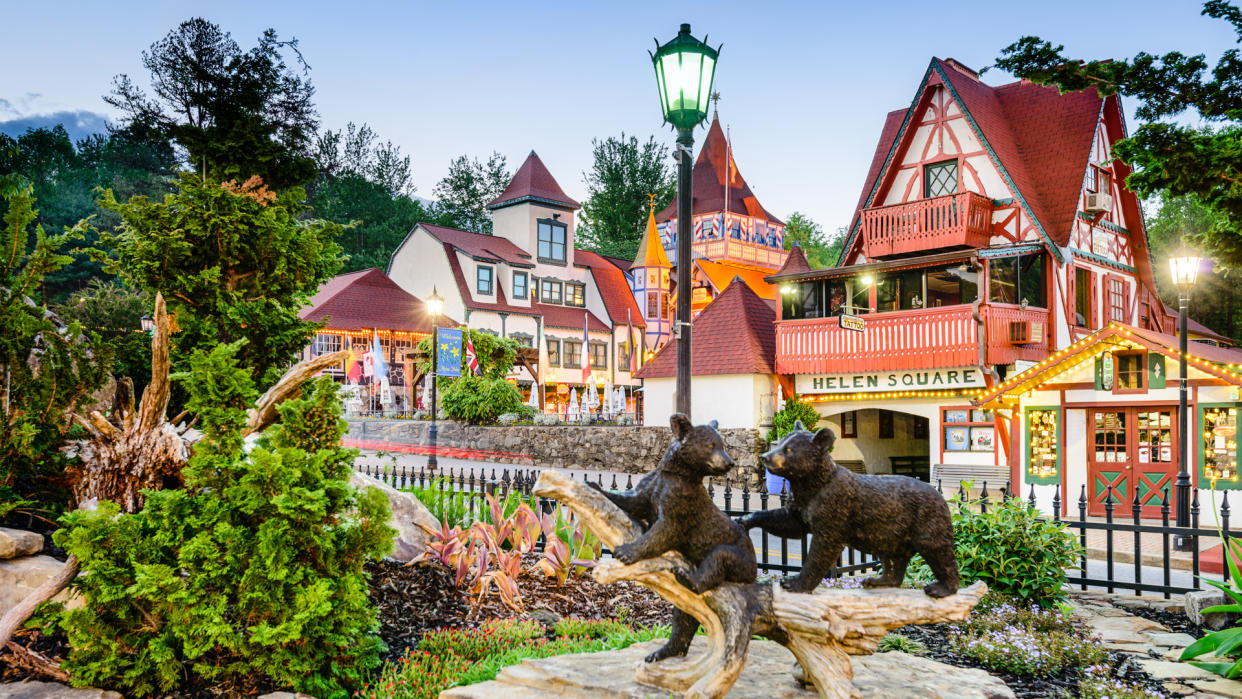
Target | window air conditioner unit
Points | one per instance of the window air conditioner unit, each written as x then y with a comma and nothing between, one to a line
1099,202
1022,332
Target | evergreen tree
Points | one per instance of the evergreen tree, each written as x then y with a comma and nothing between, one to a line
464,193
1168,152
46,367
623,173
112,314
233,261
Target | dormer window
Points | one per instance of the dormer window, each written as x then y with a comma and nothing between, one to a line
484,280
551,291
519,285
940,179
1098,179
552,236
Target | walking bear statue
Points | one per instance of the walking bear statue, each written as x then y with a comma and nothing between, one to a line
676,513
890,517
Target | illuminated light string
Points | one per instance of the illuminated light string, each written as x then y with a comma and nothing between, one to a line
827,398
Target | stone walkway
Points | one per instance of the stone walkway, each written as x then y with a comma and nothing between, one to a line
1152,646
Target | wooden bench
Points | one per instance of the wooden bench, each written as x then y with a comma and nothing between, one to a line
914,466
950,477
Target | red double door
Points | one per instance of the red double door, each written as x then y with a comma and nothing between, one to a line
1134,450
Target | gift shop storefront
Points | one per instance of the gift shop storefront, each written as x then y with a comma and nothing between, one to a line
1099,419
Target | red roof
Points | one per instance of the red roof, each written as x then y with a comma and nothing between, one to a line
480,246
735,334
366,300
613,287
568,317
1041,138
795,262
709,182
533,182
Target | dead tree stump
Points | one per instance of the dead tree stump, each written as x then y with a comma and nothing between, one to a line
822,629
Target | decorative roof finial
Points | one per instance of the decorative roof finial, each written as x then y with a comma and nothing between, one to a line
715,103
651,204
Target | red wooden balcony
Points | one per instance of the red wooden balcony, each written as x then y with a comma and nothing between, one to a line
919,339
740,252
956,220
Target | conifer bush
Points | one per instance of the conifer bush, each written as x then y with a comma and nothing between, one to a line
251,575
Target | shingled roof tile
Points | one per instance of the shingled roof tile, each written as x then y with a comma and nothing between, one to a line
735,334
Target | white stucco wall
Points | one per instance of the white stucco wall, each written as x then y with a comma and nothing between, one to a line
734,400
420,265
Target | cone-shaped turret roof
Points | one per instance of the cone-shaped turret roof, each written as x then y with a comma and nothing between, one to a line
533,182
651,249
714,168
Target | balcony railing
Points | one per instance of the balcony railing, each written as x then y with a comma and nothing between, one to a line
916,339
956,220
740,252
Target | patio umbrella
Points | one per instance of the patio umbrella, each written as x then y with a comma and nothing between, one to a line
618,401
606,400
590,399
534,396
572,412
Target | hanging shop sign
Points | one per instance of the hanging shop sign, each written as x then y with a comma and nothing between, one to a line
881,381
855,323
448,348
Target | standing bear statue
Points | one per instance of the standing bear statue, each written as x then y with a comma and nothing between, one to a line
890,517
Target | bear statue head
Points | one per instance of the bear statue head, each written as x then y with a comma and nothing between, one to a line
698,451
800,454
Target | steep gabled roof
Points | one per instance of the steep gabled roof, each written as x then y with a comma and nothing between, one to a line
368,299
714,161
533,182
735,334
795,263
651,249
480,246
500,305
1038,139
613,287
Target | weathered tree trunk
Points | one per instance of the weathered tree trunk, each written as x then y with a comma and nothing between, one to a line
821,629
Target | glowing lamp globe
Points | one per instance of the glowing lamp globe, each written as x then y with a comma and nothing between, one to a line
684,70
1184,268
147,324
435,304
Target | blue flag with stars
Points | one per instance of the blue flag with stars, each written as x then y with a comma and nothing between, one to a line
448,348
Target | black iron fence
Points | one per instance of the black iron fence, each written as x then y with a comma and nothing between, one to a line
1122,550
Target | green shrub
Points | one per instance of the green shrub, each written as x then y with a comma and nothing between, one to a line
784,419
1013,550
444,502
895,642
1015,636
477,399
253,570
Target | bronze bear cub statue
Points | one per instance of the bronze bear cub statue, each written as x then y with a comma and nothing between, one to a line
890,517
674,509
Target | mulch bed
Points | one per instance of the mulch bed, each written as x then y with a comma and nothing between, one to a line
1175,621
936,639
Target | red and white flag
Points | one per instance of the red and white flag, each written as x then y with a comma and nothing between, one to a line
472,359
586,351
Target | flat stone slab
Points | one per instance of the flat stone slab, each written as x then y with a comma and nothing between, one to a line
768,673
18,542
21,576
51,690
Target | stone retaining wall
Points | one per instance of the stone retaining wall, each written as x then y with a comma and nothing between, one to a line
604,448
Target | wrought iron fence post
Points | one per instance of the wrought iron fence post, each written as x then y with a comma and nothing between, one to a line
1082,533
1164,536
1136,508
1108,535
983,499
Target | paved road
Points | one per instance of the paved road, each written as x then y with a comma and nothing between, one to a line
792,550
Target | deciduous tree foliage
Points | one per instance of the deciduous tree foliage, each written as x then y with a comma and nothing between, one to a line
1166,154
462,196
622,174
249,576
1216,298
46,366
820,251
236,113
234,261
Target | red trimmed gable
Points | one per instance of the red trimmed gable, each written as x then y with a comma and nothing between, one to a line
735,334
366,300
613,288
709,182
533,182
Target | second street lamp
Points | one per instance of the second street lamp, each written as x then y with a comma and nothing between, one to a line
1184,268
685,68
435,305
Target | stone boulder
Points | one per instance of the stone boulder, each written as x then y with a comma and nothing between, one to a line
1198,600
51,690
15,543
407,514
767,674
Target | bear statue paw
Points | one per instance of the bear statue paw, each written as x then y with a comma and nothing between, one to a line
938,590
665,651
798,584
627,554
880,581
683,577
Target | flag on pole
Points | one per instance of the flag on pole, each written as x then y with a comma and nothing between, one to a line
472,359
379,366
586,350
629,342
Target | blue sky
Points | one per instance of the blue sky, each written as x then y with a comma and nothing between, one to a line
804,86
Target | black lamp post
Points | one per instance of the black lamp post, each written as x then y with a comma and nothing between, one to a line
435,305
1184,268
685,68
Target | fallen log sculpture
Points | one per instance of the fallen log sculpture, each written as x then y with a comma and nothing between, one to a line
821,629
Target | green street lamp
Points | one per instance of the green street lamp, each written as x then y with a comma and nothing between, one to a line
435,306
1184,269
685,68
